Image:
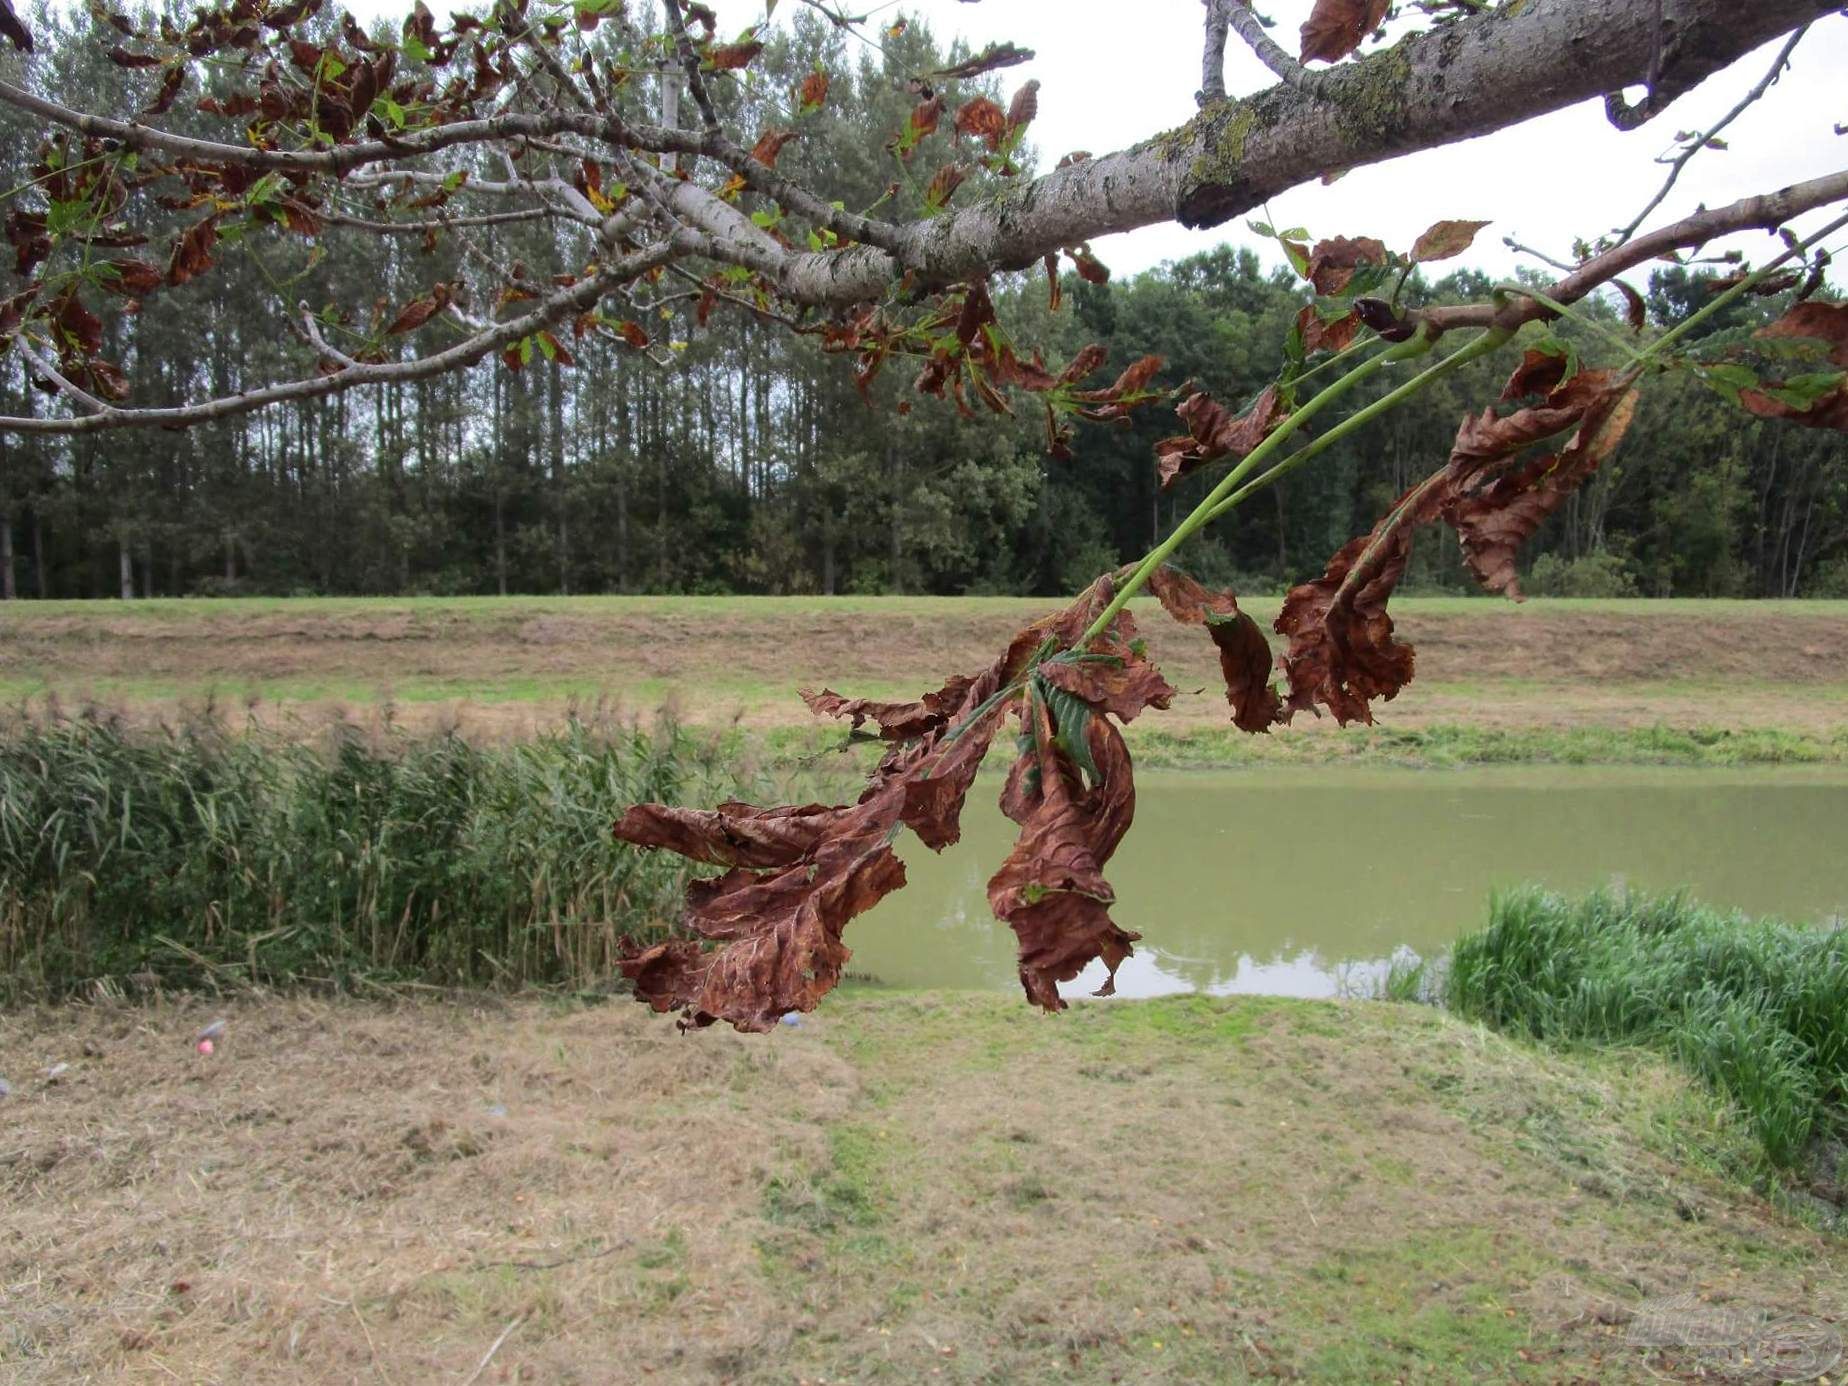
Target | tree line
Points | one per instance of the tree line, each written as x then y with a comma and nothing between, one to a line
728,454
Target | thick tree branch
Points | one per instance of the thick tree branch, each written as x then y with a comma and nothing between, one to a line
1467,79
1765,213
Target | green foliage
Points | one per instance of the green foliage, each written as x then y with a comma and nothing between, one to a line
195,854
1757,1008
1601,574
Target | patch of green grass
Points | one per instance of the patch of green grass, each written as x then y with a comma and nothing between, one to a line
1756,1008
1446,746
1431,1305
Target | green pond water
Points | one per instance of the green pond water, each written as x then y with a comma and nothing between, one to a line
1305,882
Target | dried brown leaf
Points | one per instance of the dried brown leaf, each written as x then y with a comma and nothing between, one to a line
1336,28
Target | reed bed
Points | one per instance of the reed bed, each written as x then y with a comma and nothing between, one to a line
190,854
1757,1007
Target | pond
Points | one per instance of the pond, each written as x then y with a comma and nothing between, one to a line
1305,882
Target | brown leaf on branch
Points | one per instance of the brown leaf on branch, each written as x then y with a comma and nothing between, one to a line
1125,393
1089,267
133,277
897,721
1446,240
1342,654
1336,28
1051,889
996,55
1495,520
943,185
982,119
26,233
1117,682
1495,511
1244,654
419,311
731,57
769,145
1320,335
192,252
1213,432
779,931
924,118
813,92
1823,322
1024,106
1332,263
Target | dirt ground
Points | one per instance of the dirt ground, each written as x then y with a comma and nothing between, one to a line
903,1188
503,669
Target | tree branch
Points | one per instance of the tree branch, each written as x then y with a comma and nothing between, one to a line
1471,78
567,302
1700,142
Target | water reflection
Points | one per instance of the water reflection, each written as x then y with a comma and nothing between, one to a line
1303,882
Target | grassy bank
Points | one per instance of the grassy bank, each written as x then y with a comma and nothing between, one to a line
1550,679
904,1188
1756,1008
192,854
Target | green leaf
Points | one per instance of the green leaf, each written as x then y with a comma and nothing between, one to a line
1801,392
1071,718
1728,380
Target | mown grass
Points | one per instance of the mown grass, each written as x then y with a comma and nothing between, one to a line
1756,1008
192,854
907,1187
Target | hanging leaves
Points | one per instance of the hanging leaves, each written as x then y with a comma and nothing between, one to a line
799,874
1494,519
1213,432
984,120
1051,889
192,253
1816,399
1336,28
419,311
769,145
1342,654
1244,653
812,94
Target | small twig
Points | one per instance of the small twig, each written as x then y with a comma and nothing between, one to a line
488,1357
1213,57
1539,255
1701,142
45,368
1244,22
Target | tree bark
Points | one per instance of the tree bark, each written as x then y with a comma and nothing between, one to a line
125,566
8,592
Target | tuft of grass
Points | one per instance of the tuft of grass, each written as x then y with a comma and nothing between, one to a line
194,855
1757,1008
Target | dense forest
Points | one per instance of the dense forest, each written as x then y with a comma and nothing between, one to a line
729,454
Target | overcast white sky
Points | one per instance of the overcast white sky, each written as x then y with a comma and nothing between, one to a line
1146,57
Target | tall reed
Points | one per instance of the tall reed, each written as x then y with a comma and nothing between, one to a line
1758,1008
192,851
